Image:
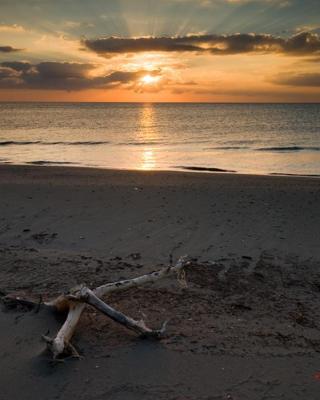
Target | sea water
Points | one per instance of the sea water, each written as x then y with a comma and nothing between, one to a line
245,138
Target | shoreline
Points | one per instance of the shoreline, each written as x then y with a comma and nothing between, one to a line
179,170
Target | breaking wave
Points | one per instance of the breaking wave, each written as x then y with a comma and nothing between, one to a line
289,148
204,169
27,143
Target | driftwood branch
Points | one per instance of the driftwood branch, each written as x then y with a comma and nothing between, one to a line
75,302
16,301
86,295
61,344
142,280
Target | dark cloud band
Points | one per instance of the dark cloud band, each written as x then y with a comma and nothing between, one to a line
305,43
60,76
302,79
8,49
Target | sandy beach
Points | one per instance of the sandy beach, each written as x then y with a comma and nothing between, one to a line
247,326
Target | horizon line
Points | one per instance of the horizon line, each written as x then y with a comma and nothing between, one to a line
160,102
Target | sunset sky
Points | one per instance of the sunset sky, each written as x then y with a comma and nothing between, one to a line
160,50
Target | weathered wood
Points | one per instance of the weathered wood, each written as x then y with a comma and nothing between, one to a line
11,301
75,302
142,280
61,343
139,327
60,303
16,301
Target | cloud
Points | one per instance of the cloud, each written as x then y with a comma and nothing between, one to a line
61,76
247,94
14,28
213,3
302,79
304,43
16,65
313,60
308,28
8,49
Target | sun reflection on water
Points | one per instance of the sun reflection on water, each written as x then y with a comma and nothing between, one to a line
148,161
147,134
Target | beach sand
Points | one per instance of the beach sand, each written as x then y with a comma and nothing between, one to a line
247,326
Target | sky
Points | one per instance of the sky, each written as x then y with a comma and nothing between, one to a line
160,50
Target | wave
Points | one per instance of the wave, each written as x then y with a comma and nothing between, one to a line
291,174
229,148
12,142
289,148
44,162
204,169
268,149
157,143
27,143
147,143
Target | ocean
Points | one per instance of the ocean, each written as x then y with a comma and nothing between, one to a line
244,138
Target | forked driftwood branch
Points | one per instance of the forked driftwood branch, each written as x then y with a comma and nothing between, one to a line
76,300
86,295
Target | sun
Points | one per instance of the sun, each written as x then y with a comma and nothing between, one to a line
150,79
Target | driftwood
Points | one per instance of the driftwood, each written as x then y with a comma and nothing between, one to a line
86,295
76,300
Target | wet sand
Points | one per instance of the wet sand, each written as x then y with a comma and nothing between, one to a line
246,327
